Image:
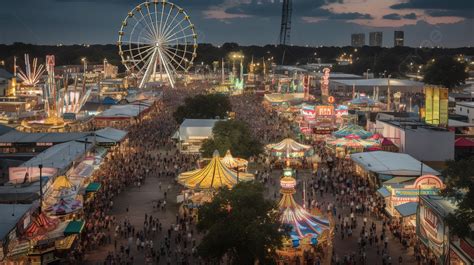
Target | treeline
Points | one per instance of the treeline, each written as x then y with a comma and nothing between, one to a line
375,58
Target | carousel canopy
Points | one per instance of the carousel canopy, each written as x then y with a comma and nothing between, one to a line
288,147
352,129
62,182
303,224
233,162
213,176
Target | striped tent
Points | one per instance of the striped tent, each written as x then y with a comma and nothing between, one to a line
213,176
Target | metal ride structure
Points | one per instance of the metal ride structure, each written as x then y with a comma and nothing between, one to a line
285,29
33,72
156,41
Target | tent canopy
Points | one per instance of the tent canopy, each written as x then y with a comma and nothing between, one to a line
288,148
464,143
407,209
62,182
383,192
352,129
93,187
233,162
74,227
213,176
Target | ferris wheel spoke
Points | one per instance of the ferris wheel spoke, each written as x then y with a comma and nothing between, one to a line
173,59
166,27
161,19
144,25
139,48
166,20
179,31
180,50
174,27
181,37
141,52
150,26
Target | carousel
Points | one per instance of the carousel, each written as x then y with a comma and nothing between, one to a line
290,151
234,163
309,232
201,183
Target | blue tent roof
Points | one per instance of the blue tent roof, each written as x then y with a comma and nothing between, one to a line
384,192
407,209
109,101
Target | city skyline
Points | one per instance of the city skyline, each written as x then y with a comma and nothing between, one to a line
320,22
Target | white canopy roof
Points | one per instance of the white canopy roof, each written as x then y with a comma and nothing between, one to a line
196,128
59,156
389,163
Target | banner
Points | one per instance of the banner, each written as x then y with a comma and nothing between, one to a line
29,174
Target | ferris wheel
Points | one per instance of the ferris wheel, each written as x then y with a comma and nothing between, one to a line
156,41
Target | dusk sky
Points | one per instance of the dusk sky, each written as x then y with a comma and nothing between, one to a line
448,23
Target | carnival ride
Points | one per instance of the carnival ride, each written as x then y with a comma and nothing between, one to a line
288,148
58,101
306,228
156,40
234,163
33,72
213,176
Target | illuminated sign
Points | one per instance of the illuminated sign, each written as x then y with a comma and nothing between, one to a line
324,111
436,105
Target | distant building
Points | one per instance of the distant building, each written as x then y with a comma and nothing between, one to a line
358,40
417,138
376,38
465,109
399,38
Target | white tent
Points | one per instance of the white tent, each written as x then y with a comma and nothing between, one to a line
388,163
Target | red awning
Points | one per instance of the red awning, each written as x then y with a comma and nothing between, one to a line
386,142
464,143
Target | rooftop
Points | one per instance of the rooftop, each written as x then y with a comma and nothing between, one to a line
388,163
381,82
11,214
414,125
466,104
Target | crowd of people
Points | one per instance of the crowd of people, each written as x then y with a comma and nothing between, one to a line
149,152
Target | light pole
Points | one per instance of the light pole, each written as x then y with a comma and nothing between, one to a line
85,147
105,67
40,166
367,74
84,62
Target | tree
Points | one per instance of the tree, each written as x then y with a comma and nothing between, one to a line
460,186
232,135
203,107
242,225
445,71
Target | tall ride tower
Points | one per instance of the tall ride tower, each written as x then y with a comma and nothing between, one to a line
286,22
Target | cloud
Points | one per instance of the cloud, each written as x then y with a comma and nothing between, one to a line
440,8
392,16
410,16
308,9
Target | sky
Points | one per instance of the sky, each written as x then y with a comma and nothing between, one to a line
446,23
